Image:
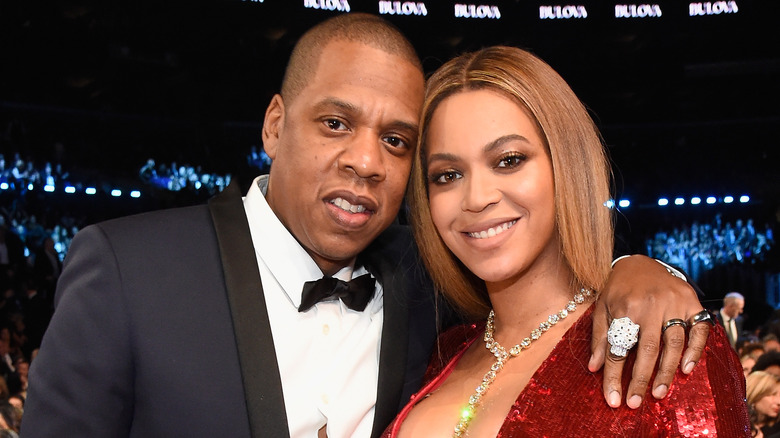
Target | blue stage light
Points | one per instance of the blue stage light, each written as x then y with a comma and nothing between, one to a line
135,194
711,200
744,199
728,199
695,200
48,188
624,203
679,201
116,193
90,190
70,189
663,201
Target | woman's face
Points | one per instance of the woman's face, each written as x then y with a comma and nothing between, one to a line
491,188
769,405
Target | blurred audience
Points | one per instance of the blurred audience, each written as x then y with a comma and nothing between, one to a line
176,178
768,362
10,417
17,401
770,342
752,349
747,364
11,254
47,266
259,160
700,247
19,175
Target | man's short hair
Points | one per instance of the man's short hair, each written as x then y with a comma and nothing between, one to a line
749,347
766,360
733,296
367,29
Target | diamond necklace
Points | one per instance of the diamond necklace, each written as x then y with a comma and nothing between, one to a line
503,355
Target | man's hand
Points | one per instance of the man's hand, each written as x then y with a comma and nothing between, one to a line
643,290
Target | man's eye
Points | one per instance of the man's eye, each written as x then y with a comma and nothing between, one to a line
395,142
335,124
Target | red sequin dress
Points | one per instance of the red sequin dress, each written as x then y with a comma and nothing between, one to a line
564,399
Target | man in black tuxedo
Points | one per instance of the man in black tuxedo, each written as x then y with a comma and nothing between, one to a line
730,317
191,322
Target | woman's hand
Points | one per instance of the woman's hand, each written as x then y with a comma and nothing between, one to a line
643,290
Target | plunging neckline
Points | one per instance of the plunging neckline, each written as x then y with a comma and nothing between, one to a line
445,373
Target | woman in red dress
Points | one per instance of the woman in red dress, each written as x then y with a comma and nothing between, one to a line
509,206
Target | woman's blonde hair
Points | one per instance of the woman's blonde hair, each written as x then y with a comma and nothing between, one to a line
758,385
580,167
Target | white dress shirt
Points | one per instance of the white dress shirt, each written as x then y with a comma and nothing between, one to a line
329,355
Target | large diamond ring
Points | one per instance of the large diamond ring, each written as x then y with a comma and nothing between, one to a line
704,315
673,321
622,336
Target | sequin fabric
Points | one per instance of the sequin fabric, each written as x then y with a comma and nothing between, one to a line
564,399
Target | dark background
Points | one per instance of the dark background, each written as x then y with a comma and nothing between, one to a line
687,105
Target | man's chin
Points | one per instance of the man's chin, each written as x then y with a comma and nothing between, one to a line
339,254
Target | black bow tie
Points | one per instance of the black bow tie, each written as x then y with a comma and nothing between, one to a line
355,294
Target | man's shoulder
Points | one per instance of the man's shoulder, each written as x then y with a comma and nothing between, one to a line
159,219
153,228
159,237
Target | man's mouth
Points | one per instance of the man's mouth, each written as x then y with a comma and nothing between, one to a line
493,231
346,206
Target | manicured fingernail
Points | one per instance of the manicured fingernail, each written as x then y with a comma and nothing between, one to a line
660,391
614,399
634,402
689,367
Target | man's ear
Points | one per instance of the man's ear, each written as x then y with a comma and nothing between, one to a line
273,125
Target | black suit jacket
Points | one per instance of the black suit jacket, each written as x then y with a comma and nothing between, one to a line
160,330
739,322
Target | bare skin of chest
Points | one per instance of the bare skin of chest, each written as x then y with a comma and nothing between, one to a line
437,414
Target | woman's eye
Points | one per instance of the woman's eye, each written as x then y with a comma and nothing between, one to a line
511,160
445,177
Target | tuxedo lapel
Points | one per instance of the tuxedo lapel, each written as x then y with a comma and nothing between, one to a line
257,356
395,338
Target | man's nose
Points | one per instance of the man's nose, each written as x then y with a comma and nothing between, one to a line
364,156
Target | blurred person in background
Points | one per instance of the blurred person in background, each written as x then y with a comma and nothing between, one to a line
729,316
763,399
